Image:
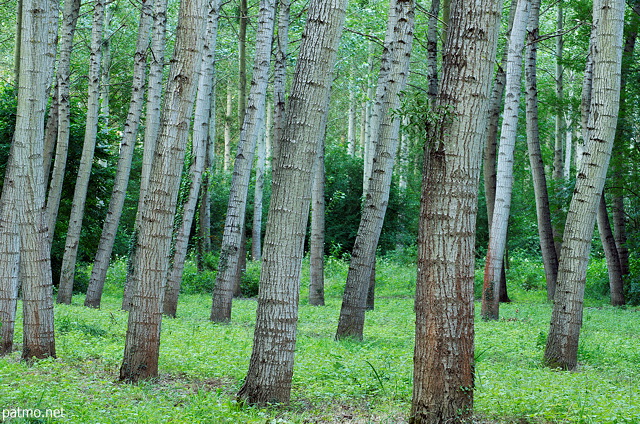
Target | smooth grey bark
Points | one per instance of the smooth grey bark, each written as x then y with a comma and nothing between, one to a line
562,343
127,147
504,174
444,349
271,365
142,343
543,211
199,157
230,250
228,118
432,49
67,273
152,126
242,61
384,135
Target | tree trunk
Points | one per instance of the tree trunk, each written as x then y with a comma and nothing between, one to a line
316,242
204,213
271,365
199,148
158,209
351,126
543,211
226,165
443,359
236,210
562,343
105,76
614,269
28,185
384,134
280,76
69,20
504,176
127,147
559,118
432,50
256,236
242,61
152,126
67,274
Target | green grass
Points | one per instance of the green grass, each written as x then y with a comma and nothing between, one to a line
202,364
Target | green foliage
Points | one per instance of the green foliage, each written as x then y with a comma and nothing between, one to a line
202,364
194,281
250,280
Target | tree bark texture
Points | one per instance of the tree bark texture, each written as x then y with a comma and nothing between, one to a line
280,75
199,159
384,134
616,285
271,365
67,273
504,175
236,209
258,193
316,242
127,147
69,20
152,126
444,349
158,209
27,187
543,211
566,319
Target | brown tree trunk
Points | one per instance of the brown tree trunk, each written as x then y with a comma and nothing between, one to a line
443,360
316,249
616,286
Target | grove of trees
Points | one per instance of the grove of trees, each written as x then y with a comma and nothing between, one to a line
249,135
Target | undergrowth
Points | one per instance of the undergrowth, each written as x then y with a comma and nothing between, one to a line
202,364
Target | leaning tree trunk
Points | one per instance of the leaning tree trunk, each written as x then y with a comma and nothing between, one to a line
67,274
443,359
280,75
27,191
545,228
158,209
127,147
258,193
69,20
564,332
616,286
199,148
234,223
152,126
391,82
271,365
504,177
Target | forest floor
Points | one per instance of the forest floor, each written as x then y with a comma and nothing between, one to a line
202,365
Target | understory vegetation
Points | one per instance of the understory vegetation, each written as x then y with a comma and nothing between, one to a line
202,364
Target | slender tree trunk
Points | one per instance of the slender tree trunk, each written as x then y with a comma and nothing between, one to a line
316,242
127,147
545,228
236,210
204,213
443,359
280,76
242,61
504,177
69,21
391,82
67,274
564,332
152,126
614,269
351,126
199,147
158,209
256,236
368,146
432,49
271,365
226,166
105,77
560,121
51,132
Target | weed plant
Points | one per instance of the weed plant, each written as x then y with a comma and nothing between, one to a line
202,364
